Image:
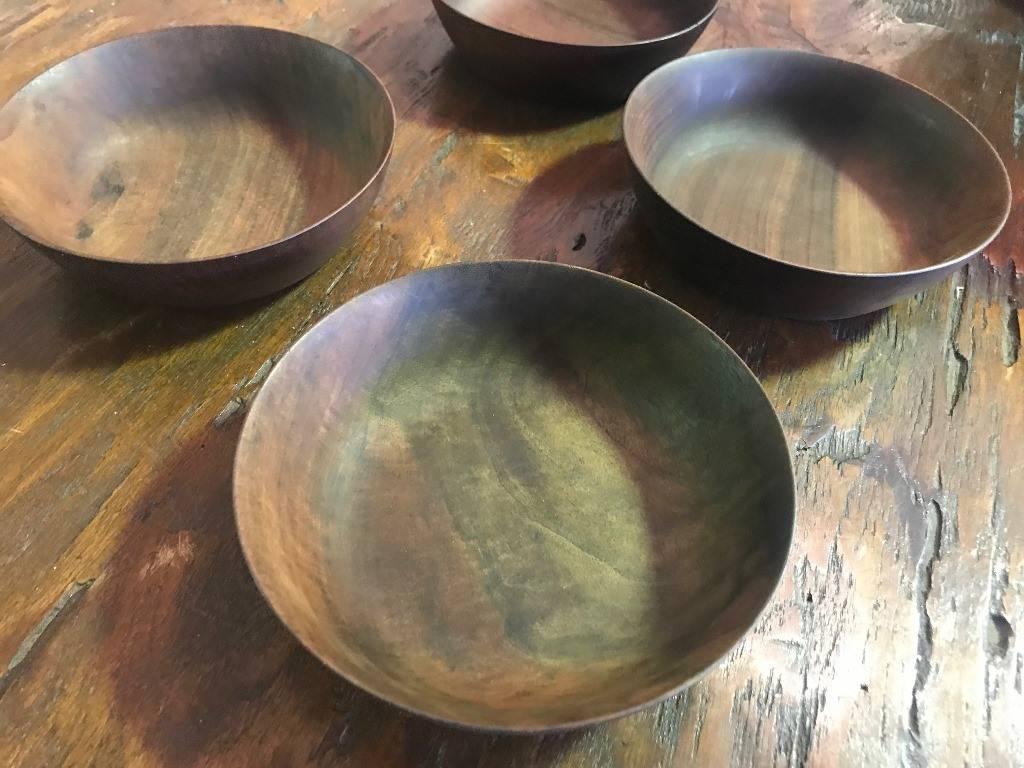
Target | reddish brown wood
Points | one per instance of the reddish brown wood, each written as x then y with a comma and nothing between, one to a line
132,634
195,165
809,186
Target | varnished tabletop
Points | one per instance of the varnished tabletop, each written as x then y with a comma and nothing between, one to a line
131,632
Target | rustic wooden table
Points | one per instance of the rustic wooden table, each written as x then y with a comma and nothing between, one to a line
131,632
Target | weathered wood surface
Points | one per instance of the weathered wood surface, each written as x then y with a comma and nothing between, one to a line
132,634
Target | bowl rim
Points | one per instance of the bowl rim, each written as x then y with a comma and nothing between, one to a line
227,255
583,46
628,120
675,687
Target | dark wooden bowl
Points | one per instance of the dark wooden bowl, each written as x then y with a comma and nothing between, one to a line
810,187
585,50
515,496
195,165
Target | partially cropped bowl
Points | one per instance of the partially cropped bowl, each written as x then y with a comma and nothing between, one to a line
807,186
583,51
195,165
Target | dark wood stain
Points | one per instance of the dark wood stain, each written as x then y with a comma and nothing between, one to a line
185,588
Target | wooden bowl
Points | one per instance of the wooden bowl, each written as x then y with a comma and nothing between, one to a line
585,50
195,165
810,187
515,496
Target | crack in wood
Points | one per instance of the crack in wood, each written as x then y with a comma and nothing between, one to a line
885,465
769,696
234,406
261,373
668,720
741,740
1011,334
925,409
999,632
957,364
999,575
838,445
68,598
925,641
701,717
957,380
237,404
793,719
801,735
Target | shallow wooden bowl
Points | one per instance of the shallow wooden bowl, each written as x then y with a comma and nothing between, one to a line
195,165
809,186
515,496
583,50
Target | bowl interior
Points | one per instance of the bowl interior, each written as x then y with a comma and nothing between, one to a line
189,143
514,496
815,161
587,22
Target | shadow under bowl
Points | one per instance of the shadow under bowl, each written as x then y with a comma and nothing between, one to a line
586,51
515,496
807,186
195,165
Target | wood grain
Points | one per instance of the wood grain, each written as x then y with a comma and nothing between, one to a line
150,154
592,52
487,492
895,637
851,187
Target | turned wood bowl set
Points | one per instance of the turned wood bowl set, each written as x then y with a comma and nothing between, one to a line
516,496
